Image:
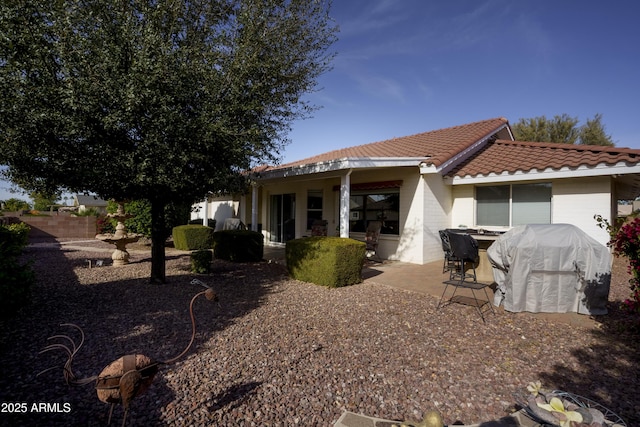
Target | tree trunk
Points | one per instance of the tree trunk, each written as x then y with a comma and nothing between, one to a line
158,238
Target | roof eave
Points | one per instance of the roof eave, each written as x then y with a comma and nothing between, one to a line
621,168
340,164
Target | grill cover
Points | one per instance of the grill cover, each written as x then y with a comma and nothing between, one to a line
554,268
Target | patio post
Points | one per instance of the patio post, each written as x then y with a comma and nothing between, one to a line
254,206
205,220
345,195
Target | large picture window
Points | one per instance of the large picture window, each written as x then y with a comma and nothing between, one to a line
314,207
511,205
376,205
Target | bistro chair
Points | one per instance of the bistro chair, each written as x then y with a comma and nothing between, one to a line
464,252
449,260
319,228
371,238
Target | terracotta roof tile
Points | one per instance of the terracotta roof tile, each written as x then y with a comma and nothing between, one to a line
438,146
516,156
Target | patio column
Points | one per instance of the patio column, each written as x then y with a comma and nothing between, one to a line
345,195
205,220
254,206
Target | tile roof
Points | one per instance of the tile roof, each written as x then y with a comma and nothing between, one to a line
516,156
438,146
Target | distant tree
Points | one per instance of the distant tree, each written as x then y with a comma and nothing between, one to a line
562,129
141,220
14,205
593,133
157,100
43,202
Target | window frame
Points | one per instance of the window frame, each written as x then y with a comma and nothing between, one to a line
365,194
510,203
319,193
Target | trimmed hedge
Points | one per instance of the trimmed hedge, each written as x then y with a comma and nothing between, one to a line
201,261
327,261
238,245
192,237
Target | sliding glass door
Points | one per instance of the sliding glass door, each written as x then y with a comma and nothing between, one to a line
283,214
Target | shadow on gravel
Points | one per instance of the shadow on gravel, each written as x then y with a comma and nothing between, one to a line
233,397
608,372
118,317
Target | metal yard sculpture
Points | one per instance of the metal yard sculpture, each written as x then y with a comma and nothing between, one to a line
124,378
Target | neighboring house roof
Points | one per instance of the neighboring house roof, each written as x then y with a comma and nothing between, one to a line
86,200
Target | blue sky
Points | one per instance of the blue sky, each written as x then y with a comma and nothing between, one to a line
410,66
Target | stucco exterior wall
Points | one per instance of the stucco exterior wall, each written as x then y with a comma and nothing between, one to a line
436,215
463,211
577,200
218,209
574,201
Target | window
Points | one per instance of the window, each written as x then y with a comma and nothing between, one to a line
314,207
380,205
511,205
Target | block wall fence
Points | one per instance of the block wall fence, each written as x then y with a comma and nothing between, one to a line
57,226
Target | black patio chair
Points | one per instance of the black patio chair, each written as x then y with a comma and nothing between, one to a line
464,252
372,236
450,262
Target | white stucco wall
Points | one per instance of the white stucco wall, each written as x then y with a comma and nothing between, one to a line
463,212
574,201
218,209
436,215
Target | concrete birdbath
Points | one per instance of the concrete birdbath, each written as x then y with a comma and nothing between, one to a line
120,238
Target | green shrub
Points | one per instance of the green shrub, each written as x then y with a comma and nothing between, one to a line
13,238
327,261
192,237
16,279
238,245
88,212
201,261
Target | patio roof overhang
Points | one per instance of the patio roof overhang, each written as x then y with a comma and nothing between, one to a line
344,164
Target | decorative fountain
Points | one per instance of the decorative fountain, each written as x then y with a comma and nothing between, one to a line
120,238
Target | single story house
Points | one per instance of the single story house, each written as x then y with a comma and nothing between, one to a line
470,176
85,202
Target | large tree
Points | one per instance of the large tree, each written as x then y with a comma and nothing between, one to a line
593,133
563,129
156,100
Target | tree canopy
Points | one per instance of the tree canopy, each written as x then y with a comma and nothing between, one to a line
156,100
563,129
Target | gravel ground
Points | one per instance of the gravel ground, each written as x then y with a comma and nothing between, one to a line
278,352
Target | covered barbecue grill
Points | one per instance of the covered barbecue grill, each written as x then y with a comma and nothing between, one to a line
552,268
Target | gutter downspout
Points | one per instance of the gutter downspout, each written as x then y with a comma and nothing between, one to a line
345,195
